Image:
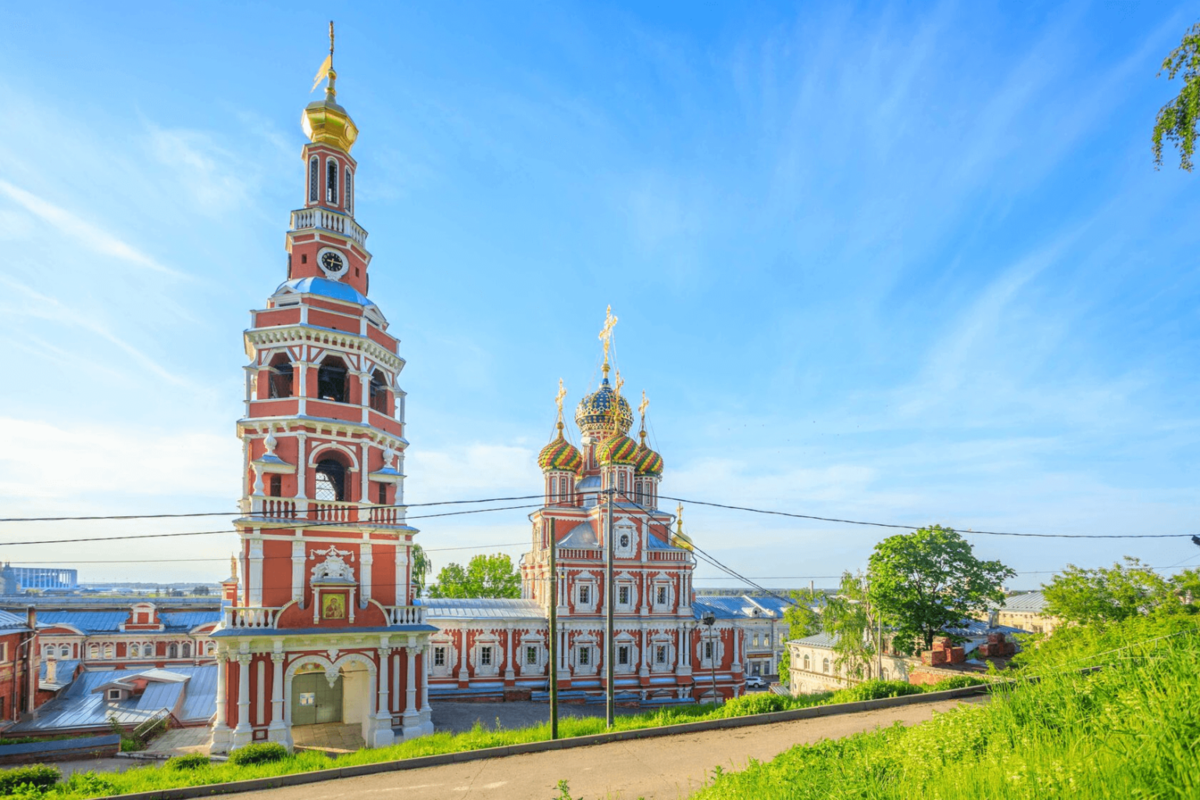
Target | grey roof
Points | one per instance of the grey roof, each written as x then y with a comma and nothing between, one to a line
11,622
1032,602
482,608
590,482
81,706
822,639
974,628
581,535
110,620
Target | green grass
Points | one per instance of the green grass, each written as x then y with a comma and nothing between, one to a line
1131,729
141,779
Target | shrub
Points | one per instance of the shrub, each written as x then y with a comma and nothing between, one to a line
262,753
187,762
37,776
957,682
875,690
88,784
757,703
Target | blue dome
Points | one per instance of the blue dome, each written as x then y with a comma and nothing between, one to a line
324,287
602,411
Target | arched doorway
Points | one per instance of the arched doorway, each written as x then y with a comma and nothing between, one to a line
334,716
314,700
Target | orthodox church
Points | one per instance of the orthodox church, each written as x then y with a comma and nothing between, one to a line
324,624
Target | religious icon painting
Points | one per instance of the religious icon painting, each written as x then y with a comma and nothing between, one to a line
308,698
333,606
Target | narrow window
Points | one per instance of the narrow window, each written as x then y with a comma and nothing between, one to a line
64,651
187,650
623,595
660,654
108,650
173,651
584,595
331,480
585,656
349,193
281,372
439,656
331,380
531,656
485,656
93,651
381,492
825,665
662,595
276,486
807,664
623,655
379,393
331,166
708,650
314,180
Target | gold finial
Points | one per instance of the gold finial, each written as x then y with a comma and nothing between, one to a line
558,401
233,567
642,406
617,401
606,332
679,518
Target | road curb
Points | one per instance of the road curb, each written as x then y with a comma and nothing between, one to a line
462,756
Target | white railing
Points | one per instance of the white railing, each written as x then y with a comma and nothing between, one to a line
387,516
330,221
332,511
580,555
321,510
406,615
250,617
279,508
667,555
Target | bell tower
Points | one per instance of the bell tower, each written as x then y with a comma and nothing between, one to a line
324,625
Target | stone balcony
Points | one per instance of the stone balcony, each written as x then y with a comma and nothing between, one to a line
324,219
260,618
289,509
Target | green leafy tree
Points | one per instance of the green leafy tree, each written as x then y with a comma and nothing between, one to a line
852,618
420,568
484,576
1114,594
925,581
802,620
1177,120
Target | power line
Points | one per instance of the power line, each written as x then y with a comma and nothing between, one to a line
918,527
226,558
255,513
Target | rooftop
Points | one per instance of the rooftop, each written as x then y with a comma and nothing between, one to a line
481,608
1032,602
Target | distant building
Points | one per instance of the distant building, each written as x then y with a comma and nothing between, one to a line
760,618
1027,611
14,580
18,665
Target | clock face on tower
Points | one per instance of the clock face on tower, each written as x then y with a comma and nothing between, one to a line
332,262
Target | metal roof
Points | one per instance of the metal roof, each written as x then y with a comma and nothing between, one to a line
110,621
582,535
81,706
482,608
62,672
325,288
720,610
655,543
11,622
822,639
1032,602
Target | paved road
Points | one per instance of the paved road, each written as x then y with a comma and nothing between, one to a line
664,768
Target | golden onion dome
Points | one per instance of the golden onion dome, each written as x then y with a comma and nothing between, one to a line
617,450
560,455
326,122
604,412
647,462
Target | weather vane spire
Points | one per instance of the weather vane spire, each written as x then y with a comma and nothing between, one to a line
606,333
326,69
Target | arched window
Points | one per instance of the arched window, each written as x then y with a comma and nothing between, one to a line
807,663
379,392
173,650
93,651
331,380
314,180
825,665
281,376
108,650
331,480
210,648
331,182
64,651
349,193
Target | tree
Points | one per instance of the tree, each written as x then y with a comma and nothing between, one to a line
924,581
802,620
1177,120
851,617
420,568
1116,593
484,576
200,591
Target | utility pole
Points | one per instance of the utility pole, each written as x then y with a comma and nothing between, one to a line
553,636
609,655
708,620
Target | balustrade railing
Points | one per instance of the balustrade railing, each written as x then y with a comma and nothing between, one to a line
323,511
330,221
250,617
406,615
581,555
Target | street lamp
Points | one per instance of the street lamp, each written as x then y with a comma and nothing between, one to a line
708,619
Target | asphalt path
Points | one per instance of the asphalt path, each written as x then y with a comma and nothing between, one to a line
663,768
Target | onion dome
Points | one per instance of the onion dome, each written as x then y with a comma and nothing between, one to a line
647,462
560,455
325,122
604,412
618,450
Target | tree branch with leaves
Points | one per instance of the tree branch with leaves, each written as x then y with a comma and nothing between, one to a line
1178,120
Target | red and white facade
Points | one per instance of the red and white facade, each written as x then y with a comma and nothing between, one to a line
323,626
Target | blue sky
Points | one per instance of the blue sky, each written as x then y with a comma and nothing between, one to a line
908,263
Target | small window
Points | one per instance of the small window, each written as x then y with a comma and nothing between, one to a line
485,656
807,664
825,665
623,655
623,595
114,694
109,650
585,595
172,651
531,655
331,380
281,374
331,480
64,651
93,650
186,650
756,640
585,656
660,654
314,180
331,168
275,486
379,392
439,656
349,193
624,541
381,494
662,595
708,650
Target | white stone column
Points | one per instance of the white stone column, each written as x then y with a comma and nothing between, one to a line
301,454
385,699
737,647
365,397
401,573
462,657
412,720
220,730
508,653
242,733
298,569
425,715
645,669
302,393
254,578
260,693
278,731
381,719
366,559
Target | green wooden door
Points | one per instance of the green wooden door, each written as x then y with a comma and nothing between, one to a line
314,700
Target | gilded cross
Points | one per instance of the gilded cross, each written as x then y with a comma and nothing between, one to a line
642,406
620,383
558,398
606,332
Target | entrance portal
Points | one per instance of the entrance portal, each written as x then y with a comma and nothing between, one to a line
314,700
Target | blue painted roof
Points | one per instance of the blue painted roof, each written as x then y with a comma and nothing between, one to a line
720,610
655,543
11,622
109,621
324,287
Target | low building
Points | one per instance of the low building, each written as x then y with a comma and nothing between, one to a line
1026,611
764,631
814,666
18,666
14,580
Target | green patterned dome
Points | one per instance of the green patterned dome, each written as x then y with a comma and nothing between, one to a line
646,461
618,450
560,455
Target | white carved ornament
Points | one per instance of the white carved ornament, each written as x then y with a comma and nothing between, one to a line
334,565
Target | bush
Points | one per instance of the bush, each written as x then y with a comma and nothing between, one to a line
875,690
262,753
37,776
957,682
187,762
757,703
